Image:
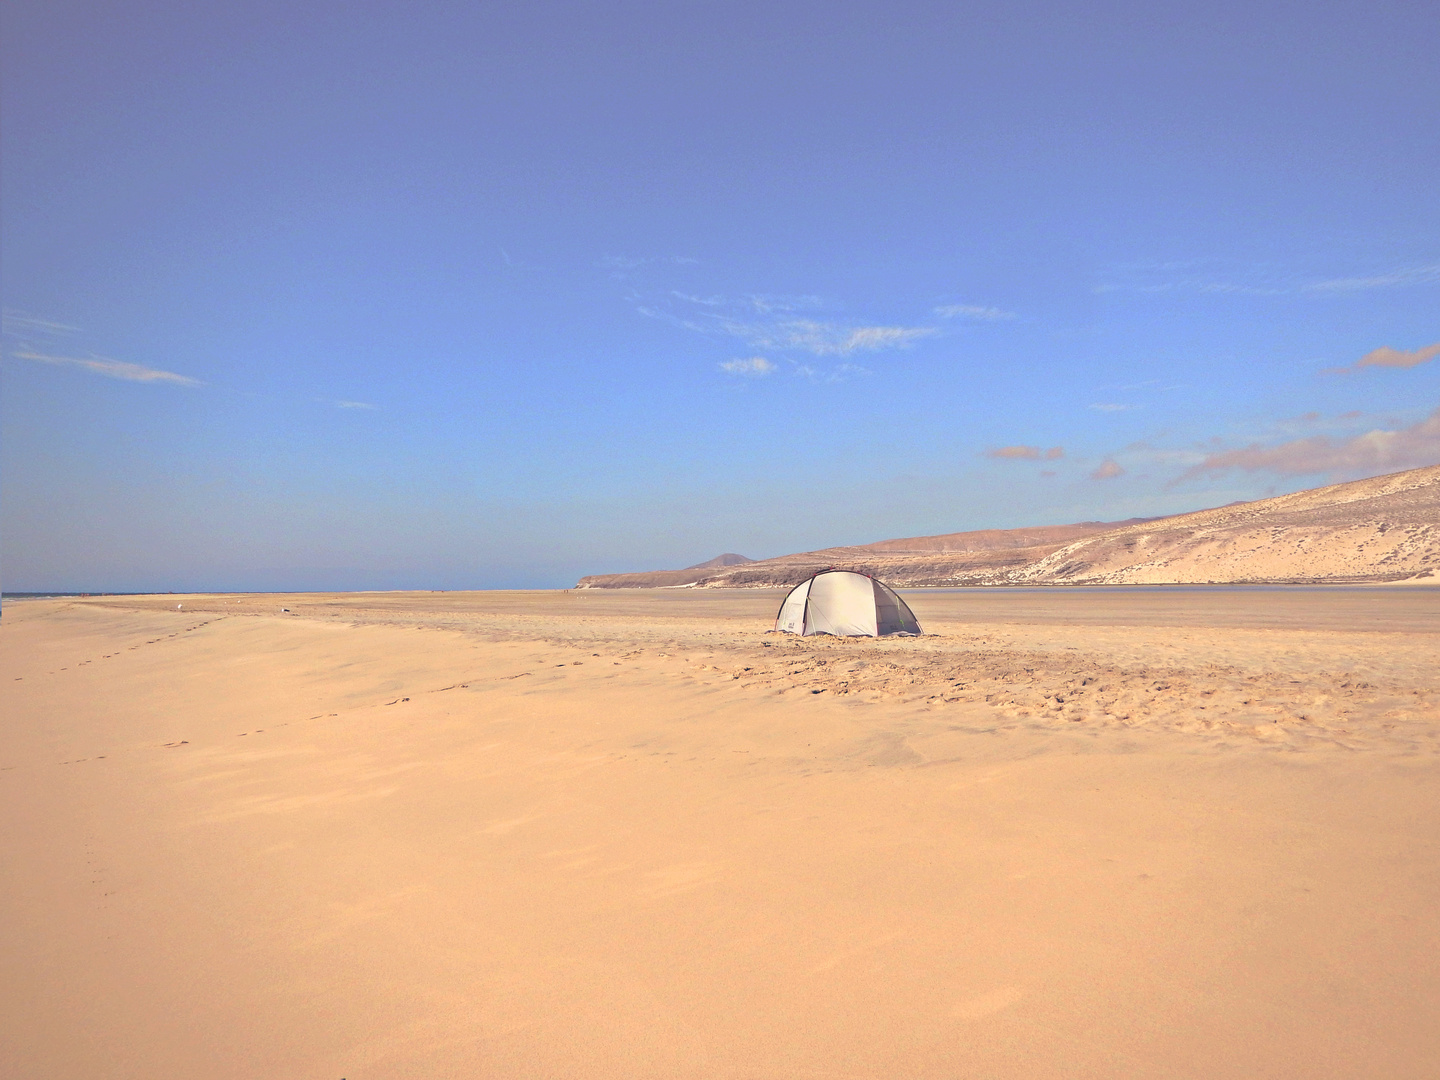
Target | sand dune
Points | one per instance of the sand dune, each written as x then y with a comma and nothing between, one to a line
1377,530
1088,833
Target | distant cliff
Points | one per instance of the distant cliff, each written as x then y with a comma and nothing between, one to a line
660,579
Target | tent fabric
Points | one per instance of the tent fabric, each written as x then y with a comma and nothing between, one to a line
847,604
792,612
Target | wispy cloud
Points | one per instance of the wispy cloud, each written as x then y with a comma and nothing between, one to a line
867,338
355,405
1109,469
1373,452
767,303
630,262
1026,453
33,338
789,335
754,367
1233,288
974,312
1427,274
707,301
16,324
1192,276
821,338
650,311
783,329
114,369
1158,278
1112,407
843,372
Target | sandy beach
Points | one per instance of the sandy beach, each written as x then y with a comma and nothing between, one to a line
1068,833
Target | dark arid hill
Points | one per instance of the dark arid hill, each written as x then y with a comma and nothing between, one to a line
1383,529
728,559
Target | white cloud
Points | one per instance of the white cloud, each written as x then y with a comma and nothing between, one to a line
1112,407
754,367
114,369
974,312
355,405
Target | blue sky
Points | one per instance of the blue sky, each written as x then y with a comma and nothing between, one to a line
452,295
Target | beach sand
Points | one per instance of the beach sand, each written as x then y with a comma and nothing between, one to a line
1068,833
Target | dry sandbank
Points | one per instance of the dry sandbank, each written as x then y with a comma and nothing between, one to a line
629,834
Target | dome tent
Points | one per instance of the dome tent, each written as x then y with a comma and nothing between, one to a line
847,604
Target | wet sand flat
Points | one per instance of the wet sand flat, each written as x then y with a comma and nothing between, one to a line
1068,833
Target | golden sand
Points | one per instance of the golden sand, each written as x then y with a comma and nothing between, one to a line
1069,833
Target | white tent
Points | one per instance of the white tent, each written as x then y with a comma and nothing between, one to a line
847,604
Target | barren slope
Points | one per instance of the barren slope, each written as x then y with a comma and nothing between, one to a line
1386,528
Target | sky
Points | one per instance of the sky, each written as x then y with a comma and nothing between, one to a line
369,296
